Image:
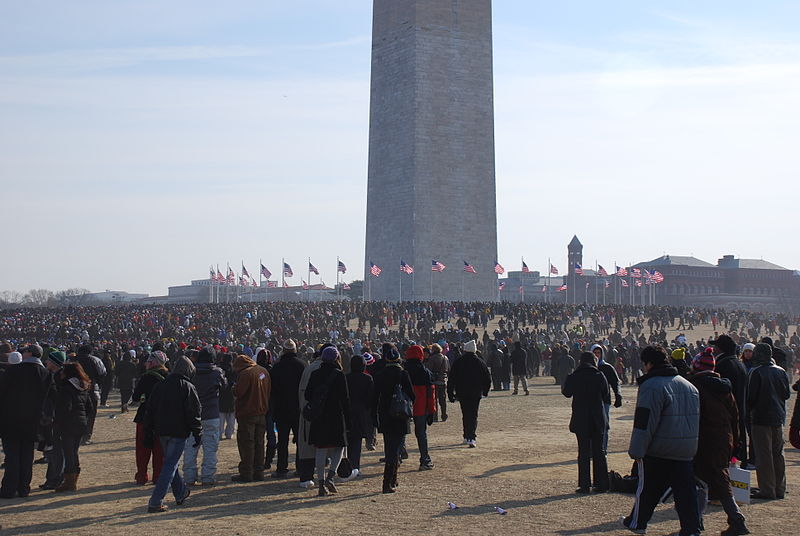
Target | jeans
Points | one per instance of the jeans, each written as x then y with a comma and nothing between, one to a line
210,444
272,440
227,424
71,444
607,408
283,444
469,416
250,440
19,466
590,451
170,476
420,430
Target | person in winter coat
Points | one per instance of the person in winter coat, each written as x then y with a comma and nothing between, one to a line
285,377
424,401
588,388
719,431
24,390
251,394
610,373
209,380
469,381
227,414
306,451
173,414
666,426
393,427
794,425
564,364
495,358
73,407
729,366
156,372
327,394
519,368
439,365
54,477
361,387
767,393
126,372
678,360
94,368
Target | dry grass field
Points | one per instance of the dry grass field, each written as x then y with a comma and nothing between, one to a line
524,463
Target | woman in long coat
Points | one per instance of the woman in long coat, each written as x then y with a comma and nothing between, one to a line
74,404
327,389
393,428
360,387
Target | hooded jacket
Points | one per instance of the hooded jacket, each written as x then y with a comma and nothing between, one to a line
252,389
209,381
608,371
588,389
285,377
361,387
24,390
469,378
767,393
421,379
173,409
73,407
666,423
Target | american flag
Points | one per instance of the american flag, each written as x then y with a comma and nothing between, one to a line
285,284
621,272
405,268
587,284
578,269
601,271
266,273
553,270
341,267
287,270
625,284
658,277
469,268
374,269
525,269
231,276
212,274
242,281
647,275
312,268
635,272
562,288
346,287
498,269
502,285
272,284
244,272
305,285
220,277
607,284
638,282
544,288
437,266
255,283
521,289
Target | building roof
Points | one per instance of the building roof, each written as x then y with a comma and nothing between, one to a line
575,242
752,264
676,260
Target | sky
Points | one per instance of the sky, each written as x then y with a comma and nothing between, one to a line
142,141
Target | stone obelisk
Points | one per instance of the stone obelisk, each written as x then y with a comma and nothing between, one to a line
431,185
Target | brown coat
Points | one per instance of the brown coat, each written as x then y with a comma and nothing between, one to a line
252,388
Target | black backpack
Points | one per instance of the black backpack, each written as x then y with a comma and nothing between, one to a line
400,407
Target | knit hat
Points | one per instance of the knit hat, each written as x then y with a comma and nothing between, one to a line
132,353
14,358
749,346
587,358
368,358
415,352
57,358
329,354
34,349
679,354
470,346
725,344
705,360
289,345
762,353
654,355
206,355
157,358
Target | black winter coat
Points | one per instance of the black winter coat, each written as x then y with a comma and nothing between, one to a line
226,398
391,375
144,387
73,407
330,428
767,393
24,389
173,409
361,388
469,378
588,389
732,368
519,362
126,373
285,397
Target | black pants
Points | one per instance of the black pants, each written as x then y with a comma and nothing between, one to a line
391,447
354,442
441,399
105,391
90,417
590,449
656,475
125,397
19,466
284,428
469,415
71,444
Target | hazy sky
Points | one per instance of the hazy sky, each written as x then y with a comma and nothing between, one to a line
141,141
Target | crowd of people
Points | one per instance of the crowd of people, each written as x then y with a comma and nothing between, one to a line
332,376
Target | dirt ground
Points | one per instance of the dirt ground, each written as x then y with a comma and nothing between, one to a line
524,463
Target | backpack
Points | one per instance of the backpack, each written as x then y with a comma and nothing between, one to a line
313,408
400,406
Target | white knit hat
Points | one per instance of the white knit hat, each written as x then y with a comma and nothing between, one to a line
749,346
470,346
14,358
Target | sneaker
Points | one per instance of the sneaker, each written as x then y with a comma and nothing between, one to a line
307,484
444,418
635,531
466,441
472,443
185,496
352,476
426,466
156,509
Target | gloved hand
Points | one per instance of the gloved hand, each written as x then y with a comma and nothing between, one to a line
198,440
794,436
618,401
430,419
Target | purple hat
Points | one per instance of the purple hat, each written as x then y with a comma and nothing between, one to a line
329,354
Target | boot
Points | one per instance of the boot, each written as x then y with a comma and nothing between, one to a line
70,483
269,458
736,526
388,475
329,485
394,475
322,491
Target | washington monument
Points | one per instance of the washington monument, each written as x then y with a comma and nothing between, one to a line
431,184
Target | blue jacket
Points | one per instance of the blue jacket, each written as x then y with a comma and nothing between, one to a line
666,423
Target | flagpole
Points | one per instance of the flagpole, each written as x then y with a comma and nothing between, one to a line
338,291
547,292
401,281
595,281
431,284
283,277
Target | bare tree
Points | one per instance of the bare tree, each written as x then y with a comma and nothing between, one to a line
38,297
10,298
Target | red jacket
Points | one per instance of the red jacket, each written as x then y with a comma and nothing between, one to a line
421,380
